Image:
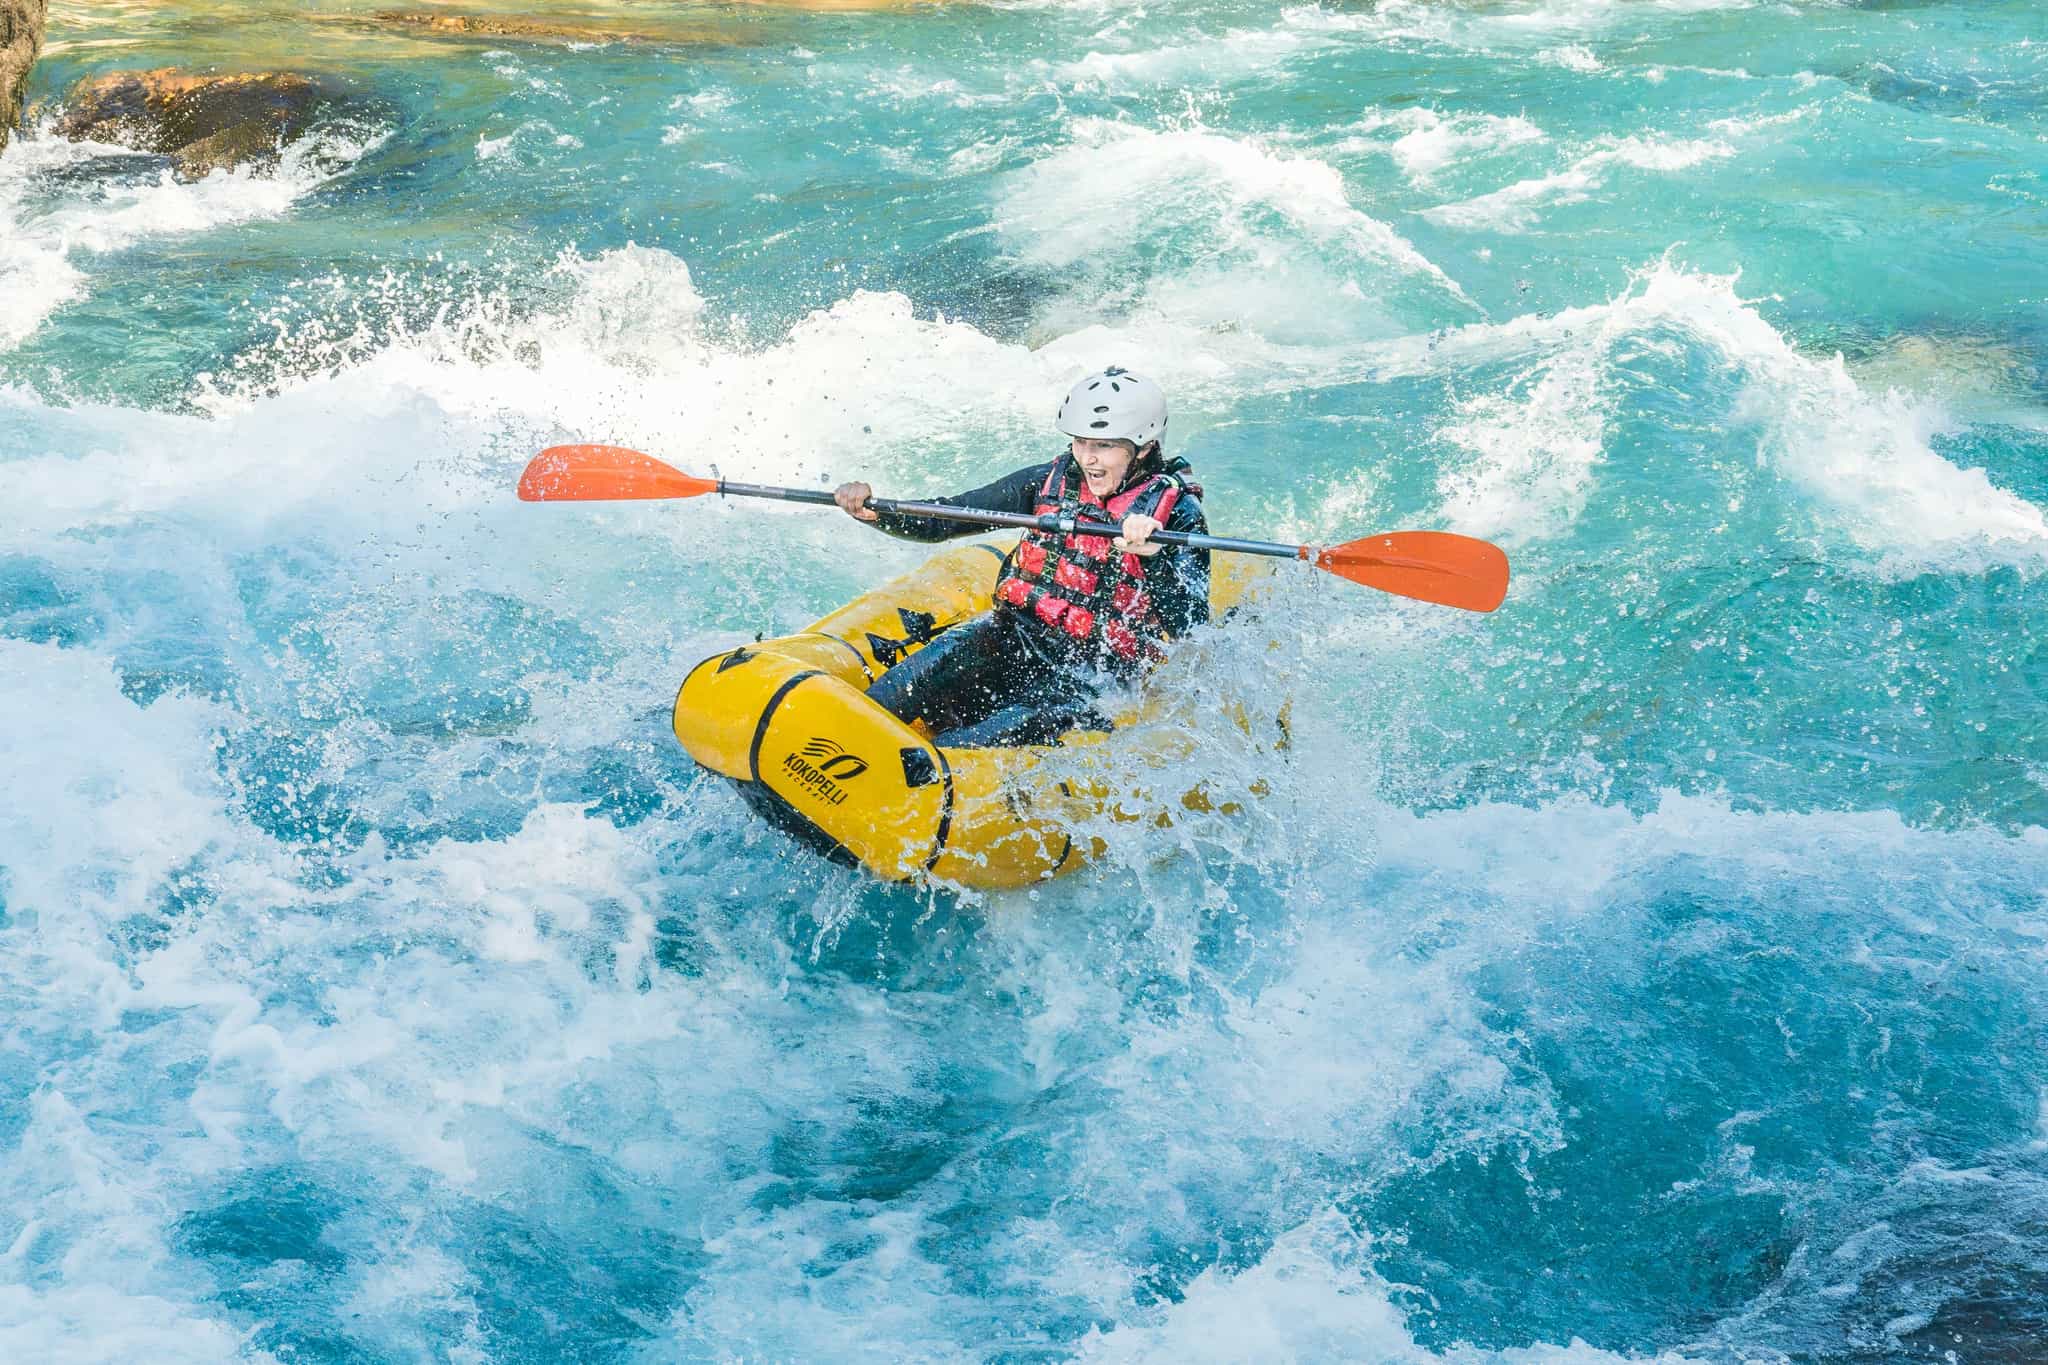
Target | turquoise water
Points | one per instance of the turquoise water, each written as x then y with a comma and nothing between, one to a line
1651,969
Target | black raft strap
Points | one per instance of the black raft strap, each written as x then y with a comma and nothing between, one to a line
767,712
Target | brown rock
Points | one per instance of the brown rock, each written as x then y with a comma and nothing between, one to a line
504,26
204,122
241,144
21,37
522,28
840,6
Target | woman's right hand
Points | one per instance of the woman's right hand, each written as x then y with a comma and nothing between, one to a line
852,499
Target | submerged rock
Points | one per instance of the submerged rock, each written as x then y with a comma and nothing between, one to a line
841,6
21,37
505,26
528,29
724,31
202,122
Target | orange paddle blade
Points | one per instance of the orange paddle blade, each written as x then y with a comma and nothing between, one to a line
1430,566
596,473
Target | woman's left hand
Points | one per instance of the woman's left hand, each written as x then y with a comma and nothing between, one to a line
1137,536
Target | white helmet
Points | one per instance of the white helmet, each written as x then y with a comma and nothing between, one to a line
1115,405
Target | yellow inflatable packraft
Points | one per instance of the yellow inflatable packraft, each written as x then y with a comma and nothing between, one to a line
790,721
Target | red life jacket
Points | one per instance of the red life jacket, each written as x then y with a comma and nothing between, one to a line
1075,584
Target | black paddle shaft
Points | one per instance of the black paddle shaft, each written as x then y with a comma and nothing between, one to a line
1049,524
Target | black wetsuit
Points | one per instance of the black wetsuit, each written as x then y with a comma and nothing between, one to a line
1007,678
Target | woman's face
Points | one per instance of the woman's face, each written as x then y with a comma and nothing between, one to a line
1103,463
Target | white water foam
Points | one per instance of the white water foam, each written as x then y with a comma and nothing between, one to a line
1430,141
1068,213
1533,448
480,1013
1514,208
508,147
97,1325
88,834
1309,1299
1572,57
907,86
1234,55
867,387
380,434
87,843
1237,54
634,354
473,1013
851,390
1865,457
1531,27
49,231
1359,1037
1057,208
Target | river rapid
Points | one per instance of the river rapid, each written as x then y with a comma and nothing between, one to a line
1652,969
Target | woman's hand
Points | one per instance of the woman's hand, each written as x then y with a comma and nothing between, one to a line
852,499
1137,536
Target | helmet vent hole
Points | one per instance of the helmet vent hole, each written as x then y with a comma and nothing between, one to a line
1097,426
1103,408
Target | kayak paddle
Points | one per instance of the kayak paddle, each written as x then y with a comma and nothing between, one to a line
1430,566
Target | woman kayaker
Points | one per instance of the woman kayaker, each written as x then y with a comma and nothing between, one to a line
1073,615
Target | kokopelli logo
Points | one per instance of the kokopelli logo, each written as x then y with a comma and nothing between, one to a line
831,759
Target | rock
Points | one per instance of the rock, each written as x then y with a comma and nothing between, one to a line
21,37
841,6
504,26
243,144
727,29
525,29
202,122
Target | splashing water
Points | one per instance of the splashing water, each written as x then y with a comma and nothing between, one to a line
1649,970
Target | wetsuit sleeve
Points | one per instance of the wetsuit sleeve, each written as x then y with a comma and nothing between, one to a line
1014,492
1178,578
